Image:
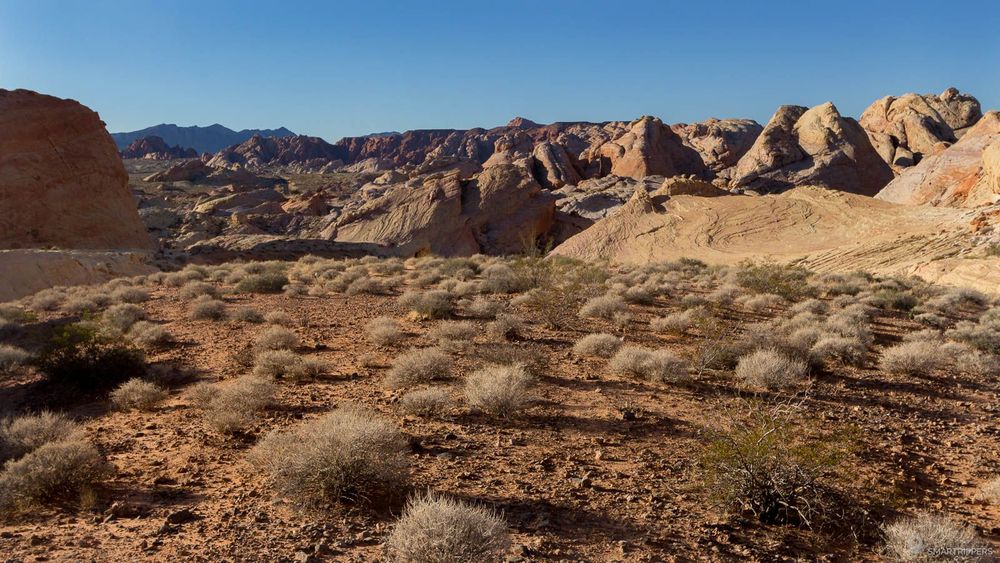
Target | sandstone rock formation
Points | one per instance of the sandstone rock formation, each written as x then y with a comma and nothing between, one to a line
62,183
720,142
496,213
554,167
648,148
906,129
155,148
196,171
28,271
963,175
260,152
270,247
815,146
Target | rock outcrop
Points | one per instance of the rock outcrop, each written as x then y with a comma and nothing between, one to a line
647,148
498,212
554,167
720,142
62,183
209,139
196,171
817,146
906,129
155,148
259,152
966,174
270,247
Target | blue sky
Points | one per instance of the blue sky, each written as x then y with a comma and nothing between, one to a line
341,68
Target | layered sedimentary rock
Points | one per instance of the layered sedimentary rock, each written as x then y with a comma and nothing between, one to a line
816,146
155,148
966,174
720,142
647,148
906,129
62,183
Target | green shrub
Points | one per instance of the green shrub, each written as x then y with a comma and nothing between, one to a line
267,282
79,359
790,282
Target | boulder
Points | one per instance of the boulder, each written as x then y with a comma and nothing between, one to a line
963,175
553,166
906,129
62,183
647,148
816,146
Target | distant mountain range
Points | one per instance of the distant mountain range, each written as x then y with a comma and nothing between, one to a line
202,139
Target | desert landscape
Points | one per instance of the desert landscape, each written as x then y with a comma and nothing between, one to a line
626,340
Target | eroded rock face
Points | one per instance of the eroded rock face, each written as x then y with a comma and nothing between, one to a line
498,212
197,171
554,167
62,182
906,129
966,174
647,148
259,152
720,142
155,148
815,146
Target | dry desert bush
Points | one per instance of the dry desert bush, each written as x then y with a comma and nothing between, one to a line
149,335
505,327
233,406
418,367
449,332
770,369
433,304
912,358
348,453
12,358
207,309
932,537
481,308
681,321
265,282
195,289
23,434
122,316
602,345
652,365
55,471
248,314
276,338
435,528
130,295
137,394
285,364
498,390
384,331
281,318
428,402
603,307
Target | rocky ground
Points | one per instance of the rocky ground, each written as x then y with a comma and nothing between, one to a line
599,466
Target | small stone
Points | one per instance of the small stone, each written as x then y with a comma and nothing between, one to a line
181,516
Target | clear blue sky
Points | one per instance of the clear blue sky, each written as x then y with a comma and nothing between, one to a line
341,68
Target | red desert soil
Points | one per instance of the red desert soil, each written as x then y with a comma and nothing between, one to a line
573,478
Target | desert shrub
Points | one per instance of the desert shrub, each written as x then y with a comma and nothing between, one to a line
641,295
130,295
428,402
601,345
276,338
281,318
769,369
974,362
79,359
435,528
201,394
761,302
654,365
384,331
285,364
419,366
121,317
984,336
602,307
498,390
207,310
365,285
26,433
452,331
432,304
266,282
194,289
843,349
349,453
506,327
12,358
724,295
236,404
149,335
761,464
56,471
80,305
248,314
932,537
679,322
912,358
295,289
925,335
788,282
814,306
894,299
47,300
501,278
137,394
482,308
990,491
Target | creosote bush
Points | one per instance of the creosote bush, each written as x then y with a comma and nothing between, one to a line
149,335
233,406
498,390
418,367
207,309
266,282
603,307
435,528
601,345
247,314
58,471
122,316
652,365
78,359
384,331
428,402
137,394
277,338
285,364
433,304
26,433
912,358
349,453
932,537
